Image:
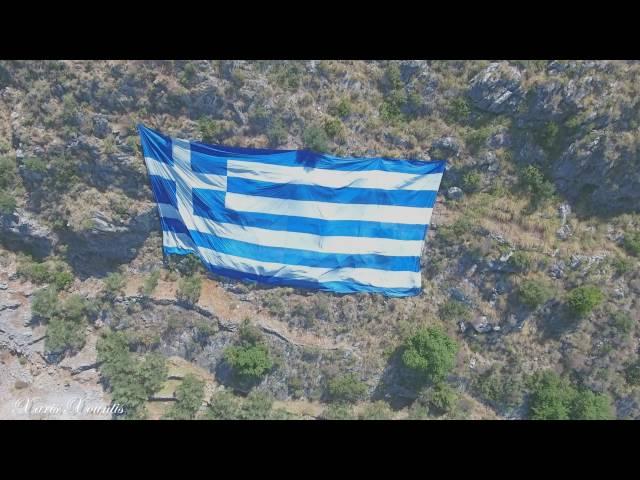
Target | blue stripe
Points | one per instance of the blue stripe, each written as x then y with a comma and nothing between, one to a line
202,163
349,195
304,158
164,190
293,256
155,145
336,287
210,204
173,225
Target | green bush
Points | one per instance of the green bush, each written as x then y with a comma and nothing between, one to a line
315,139
623,322
521,261
44,302
376,411
632,373
132,380
533,181
211,131
554,398
498,388
333,127
346,388
223,406
621,265
548,136
441,398
276,133
631,243
582,300
534,293
338,411
150,283
342,109
8,172
114,284
454,310
476,139
250,362
52,272
189,289
588,405
551,397
7,203
430,353
459,109
67,324
189,397
392,106
471,181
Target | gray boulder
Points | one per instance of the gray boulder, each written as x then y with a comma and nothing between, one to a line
497,89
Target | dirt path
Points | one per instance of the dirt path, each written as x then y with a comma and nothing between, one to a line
218,301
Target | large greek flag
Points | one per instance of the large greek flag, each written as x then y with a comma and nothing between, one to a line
294,217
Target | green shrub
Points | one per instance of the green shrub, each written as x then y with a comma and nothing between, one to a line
621,265
631,243
582,300
476,139
189,397
392,105
67,325
114,284
533,181
623,322
588,405
150,283
521,261
430,353
7,203
276,133
346,388
548,136
44,302
454,310
333,127
223,406
551,397
52,272
132,380
534,293
315,139
376,411
632,373
338,411
249,362
189,289
213,131
441,398
459,109
8,172
342,109
471,181
498,388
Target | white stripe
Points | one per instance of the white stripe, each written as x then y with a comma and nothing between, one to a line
333,178
306,241
302,241
362,276
180,240
189,178
328,211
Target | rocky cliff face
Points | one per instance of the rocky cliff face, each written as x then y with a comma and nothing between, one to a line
74,190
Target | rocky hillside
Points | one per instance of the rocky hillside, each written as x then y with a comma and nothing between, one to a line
531,277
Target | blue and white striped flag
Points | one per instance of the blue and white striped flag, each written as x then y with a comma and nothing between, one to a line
294,217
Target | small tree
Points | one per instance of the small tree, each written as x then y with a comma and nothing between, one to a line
551,397
430,353
441,398
189,289
582,300
376,411
150,283
249,362
588,405
631,243
189,395
338,411
223,406
114,284
346,388
315,138
533,293
45,302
